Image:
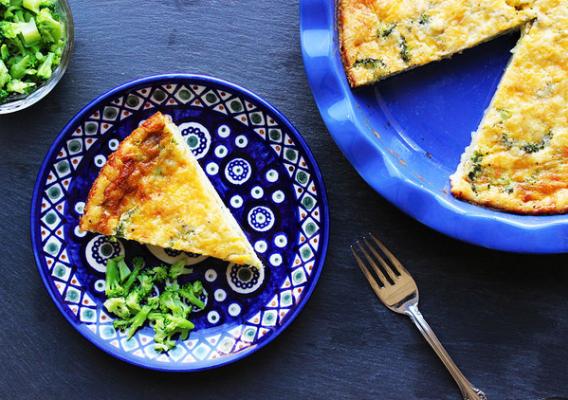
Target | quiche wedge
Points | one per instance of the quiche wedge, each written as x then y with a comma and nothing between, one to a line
153,191
380,38
518,159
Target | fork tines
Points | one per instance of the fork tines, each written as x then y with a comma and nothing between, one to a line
369,248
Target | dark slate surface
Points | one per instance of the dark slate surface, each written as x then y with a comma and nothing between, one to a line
503,317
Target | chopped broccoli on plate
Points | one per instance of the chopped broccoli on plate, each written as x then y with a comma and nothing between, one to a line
133,297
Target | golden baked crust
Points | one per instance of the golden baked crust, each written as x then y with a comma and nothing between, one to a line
380,38
152,190
518,159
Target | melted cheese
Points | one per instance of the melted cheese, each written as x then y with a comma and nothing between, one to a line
152,190
380,38
518,160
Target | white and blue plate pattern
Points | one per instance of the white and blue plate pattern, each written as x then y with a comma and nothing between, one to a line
261,168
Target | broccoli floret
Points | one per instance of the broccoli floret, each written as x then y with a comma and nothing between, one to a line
28,30
138,320
170,301
4,75
136,297
32,5
161,336
156,317
197,287
9,30
160,274
30,33
4,52
172,287
117,306
45,69
190,295
153,302
138,264
146,284
133,300
113,286
123,270
178,269
121,324
21,66
132,323
175,324
17,86
167,326
51,30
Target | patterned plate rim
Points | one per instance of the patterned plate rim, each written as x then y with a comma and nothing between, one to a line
85,112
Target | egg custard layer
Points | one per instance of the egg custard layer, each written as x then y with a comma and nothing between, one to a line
518,159
380,38
152,190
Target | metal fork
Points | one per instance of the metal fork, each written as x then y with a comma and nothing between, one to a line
396,288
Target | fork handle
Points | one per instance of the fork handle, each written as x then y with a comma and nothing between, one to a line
469,392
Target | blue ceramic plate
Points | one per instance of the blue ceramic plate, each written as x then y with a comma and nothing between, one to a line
405,135
262,169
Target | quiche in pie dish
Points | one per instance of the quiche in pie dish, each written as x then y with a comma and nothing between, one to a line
518,158
380,38
153,191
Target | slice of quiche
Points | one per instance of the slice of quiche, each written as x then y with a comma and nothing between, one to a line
152,190
518,159
380,38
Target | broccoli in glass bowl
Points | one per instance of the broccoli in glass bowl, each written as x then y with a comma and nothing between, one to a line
36,38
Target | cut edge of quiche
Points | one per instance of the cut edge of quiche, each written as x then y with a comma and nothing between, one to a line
152,190
380,39
517,159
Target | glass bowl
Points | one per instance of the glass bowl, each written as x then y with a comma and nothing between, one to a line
21,102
